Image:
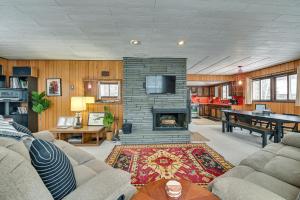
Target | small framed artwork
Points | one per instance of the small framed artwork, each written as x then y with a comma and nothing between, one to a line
53,87
95,119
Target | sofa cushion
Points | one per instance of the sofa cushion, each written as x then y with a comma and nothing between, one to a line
230,188
21,128
273,147
97,166
44,135
258,160
290,152
108,185
18,178
292,139
285,169
15,146
277,186
83,174
77,154
239,171
54,168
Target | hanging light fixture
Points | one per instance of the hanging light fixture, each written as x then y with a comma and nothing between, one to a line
240,71
89,86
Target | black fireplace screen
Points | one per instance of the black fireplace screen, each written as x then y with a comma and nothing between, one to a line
169,121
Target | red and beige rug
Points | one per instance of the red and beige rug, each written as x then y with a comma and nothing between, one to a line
197,163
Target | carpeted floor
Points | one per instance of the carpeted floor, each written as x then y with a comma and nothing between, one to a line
197,137
197,163
204,121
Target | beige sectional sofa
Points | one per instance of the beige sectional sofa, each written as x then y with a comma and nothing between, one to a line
95,179
272,173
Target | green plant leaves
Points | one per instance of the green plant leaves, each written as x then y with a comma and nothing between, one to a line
108,118
39,102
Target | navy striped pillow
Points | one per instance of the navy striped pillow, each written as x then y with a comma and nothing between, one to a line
21,128
54,168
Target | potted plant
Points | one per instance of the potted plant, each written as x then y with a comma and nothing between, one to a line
39,102
108,122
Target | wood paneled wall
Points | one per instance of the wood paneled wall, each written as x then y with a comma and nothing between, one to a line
72,74
200,77
4,63
278,107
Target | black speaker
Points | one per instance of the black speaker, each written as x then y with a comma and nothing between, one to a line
23,71
127,128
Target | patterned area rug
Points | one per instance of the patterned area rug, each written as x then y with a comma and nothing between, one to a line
197,163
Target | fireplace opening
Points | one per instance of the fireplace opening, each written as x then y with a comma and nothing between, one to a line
171,119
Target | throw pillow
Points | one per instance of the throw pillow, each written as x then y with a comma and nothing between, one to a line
21,128
54,168
7,130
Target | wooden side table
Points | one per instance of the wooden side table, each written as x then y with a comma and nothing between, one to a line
86,133
190,191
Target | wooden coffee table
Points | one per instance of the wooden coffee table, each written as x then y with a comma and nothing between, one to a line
86,132
190,191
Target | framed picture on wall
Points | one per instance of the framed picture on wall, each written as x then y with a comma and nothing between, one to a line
53,87
95,119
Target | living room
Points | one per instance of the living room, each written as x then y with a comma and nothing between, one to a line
111,100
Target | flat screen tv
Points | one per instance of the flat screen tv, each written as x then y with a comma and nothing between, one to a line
160,84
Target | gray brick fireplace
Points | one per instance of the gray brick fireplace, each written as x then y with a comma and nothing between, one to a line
139,106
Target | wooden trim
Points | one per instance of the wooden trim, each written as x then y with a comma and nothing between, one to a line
275,74
202,77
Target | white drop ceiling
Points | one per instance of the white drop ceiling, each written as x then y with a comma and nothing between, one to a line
220,34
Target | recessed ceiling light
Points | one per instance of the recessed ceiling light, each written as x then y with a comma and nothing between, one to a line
135,42
181,42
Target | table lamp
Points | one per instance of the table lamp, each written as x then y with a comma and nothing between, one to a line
89,99
78,104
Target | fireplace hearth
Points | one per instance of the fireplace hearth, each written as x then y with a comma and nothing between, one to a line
170,119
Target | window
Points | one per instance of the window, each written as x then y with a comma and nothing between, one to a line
277,88
216,91
108,90
256,90
281,88
261,89
265,89
286,87
292,86
225,92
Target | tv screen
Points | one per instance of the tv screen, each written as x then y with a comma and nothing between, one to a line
160,84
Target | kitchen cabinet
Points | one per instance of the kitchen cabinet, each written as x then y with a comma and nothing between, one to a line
212,91
206,91
194,90
212,111
235,89
200,91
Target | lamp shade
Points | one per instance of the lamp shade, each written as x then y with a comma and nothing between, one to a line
89,99
78,104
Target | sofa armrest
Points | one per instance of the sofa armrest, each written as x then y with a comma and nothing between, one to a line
108,185
230,188
44,135
292,139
